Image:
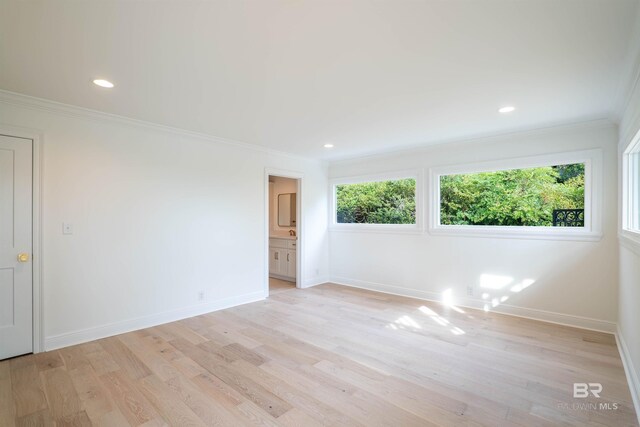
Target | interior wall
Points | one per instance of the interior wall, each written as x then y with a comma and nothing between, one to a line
160,218
146,205
575,281
279,185
629,287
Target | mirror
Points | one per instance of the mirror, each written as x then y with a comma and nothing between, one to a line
287,210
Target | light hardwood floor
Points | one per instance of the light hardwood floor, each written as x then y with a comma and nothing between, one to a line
277,286
328,355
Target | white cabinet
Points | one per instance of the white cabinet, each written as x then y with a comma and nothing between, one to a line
282,258
291,263
274,260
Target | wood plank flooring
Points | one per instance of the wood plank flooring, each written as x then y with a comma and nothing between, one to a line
325,356
278,285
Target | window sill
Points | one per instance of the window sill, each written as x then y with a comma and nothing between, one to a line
537,233
373,228
630,240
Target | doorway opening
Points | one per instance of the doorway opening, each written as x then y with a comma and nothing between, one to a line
283,232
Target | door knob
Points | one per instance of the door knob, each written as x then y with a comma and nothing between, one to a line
23,257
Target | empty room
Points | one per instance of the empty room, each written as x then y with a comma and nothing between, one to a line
319,213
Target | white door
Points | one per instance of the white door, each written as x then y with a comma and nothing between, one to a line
16,334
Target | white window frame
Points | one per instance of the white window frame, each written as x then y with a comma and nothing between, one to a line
630,202
388,176
591,231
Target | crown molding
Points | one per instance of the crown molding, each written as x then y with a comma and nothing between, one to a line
595,123
73,111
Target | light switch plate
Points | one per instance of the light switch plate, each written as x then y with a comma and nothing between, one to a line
67,228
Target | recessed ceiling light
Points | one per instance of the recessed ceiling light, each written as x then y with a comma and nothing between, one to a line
507,109
103,83
328,145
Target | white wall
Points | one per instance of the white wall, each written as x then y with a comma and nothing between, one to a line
629,287
147,205
279,185
575,281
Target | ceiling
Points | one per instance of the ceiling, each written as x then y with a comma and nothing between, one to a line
291,75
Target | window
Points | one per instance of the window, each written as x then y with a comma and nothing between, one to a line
634,186
631,190
387,201
536,197
552,196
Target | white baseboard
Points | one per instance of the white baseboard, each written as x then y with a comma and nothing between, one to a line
529,313
630,371
314,282
90,334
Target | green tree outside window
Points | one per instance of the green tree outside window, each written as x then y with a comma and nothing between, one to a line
516,197
383,202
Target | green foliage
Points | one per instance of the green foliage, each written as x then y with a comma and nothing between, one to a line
516,197
384,202
566,172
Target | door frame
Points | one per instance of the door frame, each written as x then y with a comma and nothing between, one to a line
299,177
36,138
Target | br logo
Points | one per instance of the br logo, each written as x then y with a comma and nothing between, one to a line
582,390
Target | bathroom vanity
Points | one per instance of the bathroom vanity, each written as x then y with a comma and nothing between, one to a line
282,257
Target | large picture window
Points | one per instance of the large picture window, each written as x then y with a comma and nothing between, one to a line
545,196
379,202
551,196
